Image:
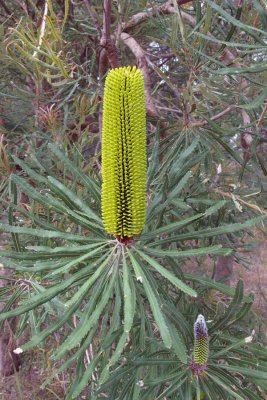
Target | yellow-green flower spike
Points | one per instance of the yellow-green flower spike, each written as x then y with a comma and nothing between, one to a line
124,161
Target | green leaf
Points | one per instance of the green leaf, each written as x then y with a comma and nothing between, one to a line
171,227
202,251
253,373
79,385
173,387
43,233
216,207
89,182
262,13
65,268
251,69
154,303
70,307
181,159
209,283
67,250
210,232
56,205
75,199
114,358
10,302
235,345
257,102
236,22
71,360
232,309
90,317
88,283
178,344
129,297
44,297
168,275
230,44
178,188
224,385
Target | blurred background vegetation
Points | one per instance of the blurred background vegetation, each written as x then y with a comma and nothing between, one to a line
205,70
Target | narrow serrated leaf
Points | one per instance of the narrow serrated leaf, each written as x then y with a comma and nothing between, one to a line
154,303
168,275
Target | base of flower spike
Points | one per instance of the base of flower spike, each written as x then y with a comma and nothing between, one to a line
197,370
125,240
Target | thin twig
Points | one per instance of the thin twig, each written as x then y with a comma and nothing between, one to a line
174,110
140,17
42,31
93,15
119,28
260,121
254,207
106,41
142,64
214,117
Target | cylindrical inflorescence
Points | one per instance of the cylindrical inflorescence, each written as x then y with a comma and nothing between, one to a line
201,342
124,161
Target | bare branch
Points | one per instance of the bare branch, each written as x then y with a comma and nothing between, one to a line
143,16
254,207
143,66
246,137
42,31
214,117
106,41
138,18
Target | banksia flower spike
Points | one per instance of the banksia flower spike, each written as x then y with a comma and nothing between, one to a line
124,153
201,347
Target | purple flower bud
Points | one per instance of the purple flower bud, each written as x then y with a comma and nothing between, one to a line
201,347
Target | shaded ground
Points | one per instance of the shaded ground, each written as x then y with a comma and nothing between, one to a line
25,385
255,281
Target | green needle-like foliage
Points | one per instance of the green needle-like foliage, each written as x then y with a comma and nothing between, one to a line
124,153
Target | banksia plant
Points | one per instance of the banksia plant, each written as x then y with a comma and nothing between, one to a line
124,153
201,347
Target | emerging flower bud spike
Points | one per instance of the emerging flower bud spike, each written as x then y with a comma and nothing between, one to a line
201,347
124,153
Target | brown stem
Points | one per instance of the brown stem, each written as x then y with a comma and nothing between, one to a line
138,18
261,119
142,64
106,41
246,137
4,6
214,117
